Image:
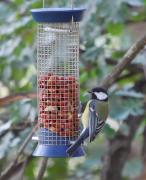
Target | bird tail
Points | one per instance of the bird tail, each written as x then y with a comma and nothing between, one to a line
78,142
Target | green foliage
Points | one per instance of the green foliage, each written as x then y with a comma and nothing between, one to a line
124,107
59,166
133,168
115,29
104,36
29,171
110,132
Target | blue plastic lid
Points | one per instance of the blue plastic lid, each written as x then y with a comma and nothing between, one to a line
57,15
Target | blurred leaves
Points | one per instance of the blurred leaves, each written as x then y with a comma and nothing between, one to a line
16,173
109,131
104,35
124,107
5,127
5,144
130,94
115,29
8,47
135,2
14,26
133,168
29,171
59,166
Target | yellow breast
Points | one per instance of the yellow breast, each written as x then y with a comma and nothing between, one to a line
85,116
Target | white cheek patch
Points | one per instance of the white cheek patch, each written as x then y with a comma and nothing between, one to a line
101,95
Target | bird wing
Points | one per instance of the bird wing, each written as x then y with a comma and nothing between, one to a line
102,109
95,123
93,120
99,126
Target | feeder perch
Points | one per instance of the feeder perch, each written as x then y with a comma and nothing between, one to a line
57,80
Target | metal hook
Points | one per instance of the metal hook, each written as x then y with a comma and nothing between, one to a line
72,4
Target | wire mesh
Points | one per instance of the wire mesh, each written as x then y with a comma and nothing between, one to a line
58,82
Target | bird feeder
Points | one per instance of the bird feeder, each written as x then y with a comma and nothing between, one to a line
57,80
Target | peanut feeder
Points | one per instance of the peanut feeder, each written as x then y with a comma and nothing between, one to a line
57,80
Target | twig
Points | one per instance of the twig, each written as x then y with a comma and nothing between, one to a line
125,61
5,1
118,150
107,82
19,166
13,98
15,128
42,168
20,150
143,172
119,146
144,153
25,142
128,75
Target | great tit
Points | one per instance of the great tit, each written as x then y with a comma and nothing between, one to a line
93,118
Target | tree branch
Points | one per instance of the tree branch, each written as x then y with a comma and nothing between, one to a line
119,147
13,98
42,168
16,128
107,82
126,76
144,154
118,150
125,61
143,172
18,168
19,152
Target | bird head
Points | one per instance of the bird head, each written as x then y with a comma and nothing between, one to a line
99,93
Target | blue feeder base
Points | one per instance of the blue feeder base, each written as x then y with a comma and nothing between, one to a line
54,151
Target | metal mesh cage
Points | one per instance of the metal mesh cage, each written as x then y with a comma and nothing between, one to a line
58,82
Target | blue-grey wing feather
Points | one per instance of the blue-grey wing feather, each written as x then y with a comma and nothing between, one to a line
99,126
92,120
95,124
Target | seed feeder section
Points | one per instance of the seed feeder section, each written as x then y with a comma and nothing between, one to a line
57,80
